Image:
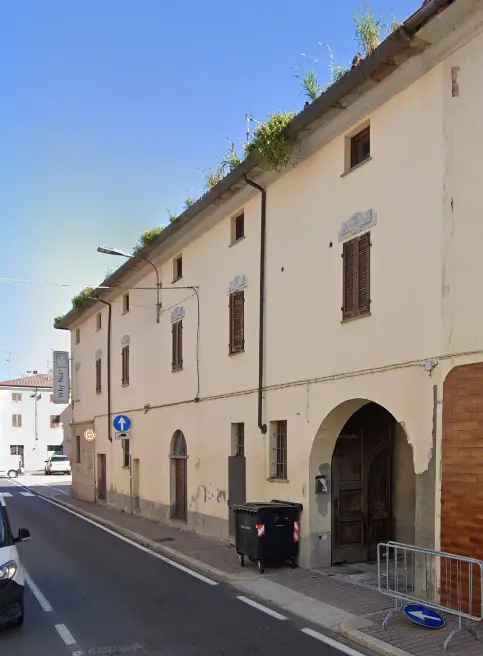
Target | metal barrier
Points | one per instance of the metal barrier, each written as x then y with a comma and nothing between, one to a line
442,581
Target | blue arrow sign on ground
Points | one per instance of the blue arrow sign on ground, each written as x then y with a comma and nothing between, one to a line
424,616
122,423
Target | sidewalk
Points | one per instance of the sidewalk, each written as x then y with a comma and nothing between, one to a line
324,598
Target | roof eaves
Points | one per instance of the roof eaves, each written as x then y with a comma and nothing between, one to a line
383,60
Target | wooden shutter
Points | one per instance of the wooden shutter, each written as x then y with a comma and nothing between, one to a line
348,308
177,340
356,278
237,328
364,300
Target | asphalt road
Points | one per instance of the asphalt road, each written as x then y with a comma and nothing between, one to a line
100,595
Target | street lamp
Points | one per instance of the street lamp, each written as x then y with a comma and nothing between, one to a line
113,251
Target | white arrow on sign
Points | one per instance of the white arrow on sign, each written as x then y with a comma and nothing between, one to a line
122,423
422,616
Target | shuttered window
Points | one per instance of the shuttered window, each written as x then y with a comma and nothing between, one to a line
125,365
126,453
237,322
278,465
360,147
98,375
356,277
177,335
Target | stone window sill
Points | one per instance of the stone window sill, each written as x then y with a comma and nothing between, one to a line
357,166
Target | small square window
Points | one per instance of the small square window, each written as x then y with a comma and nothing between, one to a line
16,396
55,421
177,268
98,321
237,227
125,303
360,147
17,421
77,335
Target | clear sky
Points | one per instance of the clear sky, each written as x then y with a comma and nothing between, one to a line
113,112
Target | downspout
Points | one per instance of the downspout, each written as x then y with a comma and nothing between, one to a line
263,191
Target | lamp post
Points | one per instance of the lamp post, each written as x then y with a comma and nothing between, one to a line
113,251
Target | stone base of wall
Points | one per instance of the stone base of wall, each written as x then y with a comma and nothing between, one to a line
213,527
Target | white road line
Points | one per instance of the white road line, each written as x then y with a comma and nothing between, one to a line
264,609
2,501
57,489
44,604
5,494
65,634
340,646
27,494
166,560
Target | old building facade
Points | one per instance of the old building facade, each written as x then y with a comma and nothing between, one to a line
30,422
327,350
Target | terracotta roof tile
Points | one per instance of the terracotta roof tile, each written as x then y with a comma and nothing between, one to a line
36,380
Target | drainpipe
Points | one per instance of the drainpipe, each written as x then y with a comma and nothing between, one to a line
263,191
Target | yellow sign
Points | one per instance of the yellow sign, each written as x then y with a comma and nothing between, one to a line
90,435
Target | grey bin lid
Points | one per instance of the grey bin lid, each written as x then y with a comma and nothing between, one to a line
255,506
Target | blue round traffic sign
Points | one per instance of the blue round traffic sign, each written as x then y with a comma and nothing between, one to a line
424,616
122,423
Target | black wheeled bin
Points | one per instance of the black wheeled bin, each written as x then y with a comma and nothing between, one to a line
268,531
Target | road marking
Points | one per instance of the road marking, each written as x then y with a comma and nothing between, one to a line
2,501
27,494
264,609
62,491
5,494
65,634
166,560
44,604
340,646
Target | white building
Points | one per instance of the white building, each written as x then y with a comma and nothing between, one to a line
30,424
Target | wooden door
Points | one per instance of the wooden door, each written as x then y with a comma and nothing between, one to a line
180,489
101,476
349,500
236,486
362,486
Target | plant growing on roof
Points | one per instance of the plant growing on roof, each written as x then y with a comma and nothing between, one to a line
147,237
368,31
171,216
188,202
83,298
58,320
270,141
336,71
311,86
228,164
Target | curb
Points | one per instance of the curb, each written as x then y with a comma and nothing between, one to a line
369,642
178,556
347,631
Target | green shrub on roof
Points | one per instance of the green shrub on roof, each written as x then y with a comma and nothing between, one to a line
83,298
271,143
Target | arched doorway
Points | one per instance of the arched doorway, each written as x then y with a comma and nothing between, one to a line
179,485
362,485
361,488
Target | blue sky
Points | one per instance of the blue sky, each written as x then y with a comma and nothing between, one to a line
113,112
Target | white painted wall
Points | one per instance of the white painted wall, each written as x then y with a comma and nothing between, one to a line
35,450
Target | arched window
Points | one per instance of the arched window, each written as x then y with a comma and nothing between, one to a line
178,445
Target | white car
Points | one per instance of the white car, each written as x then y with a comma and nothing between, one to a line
12,577
57,464
10,466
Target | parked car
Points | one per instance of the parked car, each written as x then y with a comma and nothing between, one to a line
10,465
57,464
12,577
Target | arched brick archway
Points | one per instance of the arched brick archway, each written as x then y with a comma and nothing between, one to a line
362,456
